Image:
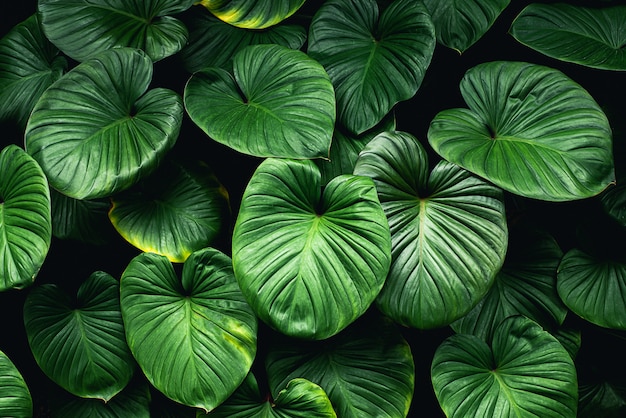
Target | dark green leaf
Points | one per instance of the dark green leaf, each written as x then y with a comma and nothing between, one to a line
614,202
81,220
603,399
15,399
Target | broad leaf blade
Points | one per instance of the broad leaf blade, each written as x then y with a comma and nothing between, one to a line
81,346
459,24
84,28
308,262
448,232
530,130
81,220
96,131
374,62
593,37
29,64
525,372
194,337
25,220
15,398
278,103
252,14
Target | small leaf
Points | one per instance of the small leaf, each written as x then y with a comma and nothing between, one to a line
15,398
252,14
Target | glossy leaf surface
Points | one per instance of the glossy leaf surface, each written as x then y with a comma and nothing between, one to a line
25,220
29,64
97,130
525,372
374,59
594,37
593,289
193,337
84,28
252,14
278,103
179,209
459,24
529,129
309,261
448,232
80,345
15,398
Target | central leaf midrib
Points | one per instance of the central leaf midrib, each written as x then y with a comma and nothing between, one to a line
507,392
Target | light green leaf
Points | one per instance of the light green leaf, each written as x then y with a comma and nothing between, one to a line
15,398
594,37
448,232
459,24
530,130
25,220
194,337
80,345
309,261
96,131
84,28
373,61
525,373
252,14
29,64
278,103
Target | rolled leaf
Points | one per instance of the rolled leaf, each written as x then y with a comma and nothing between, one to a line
80,345
530,130
97,131
278,103
194,337
252,14
15,398
374,59
448,232
593,37
309,261
25,220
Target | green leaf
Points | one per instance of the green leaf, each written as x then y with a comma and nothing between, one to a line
530,130
177,210
448,232
367,370
593,289
15,399
613,201
603,399
84,28
213,43
374,62
252,14
459,24
300,399
25,221
525,372
278,103
29,64
526,285
594,37
81,220
80,345
309,261
194,337
96,131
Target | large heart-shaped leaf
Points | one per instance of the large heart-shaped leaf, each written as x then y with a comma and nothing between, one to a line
25,220
84,28
252,14
448,232
300,399
459,24
81,220
374,62
367,370
525,372
80,345
278,103
309,261
594,37
530,130
193,337
213,43
526,285
594,289
177,210
15,399
29,64
94,131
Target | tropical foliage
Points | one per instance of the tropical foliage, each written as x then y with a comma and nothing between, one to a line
288,208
